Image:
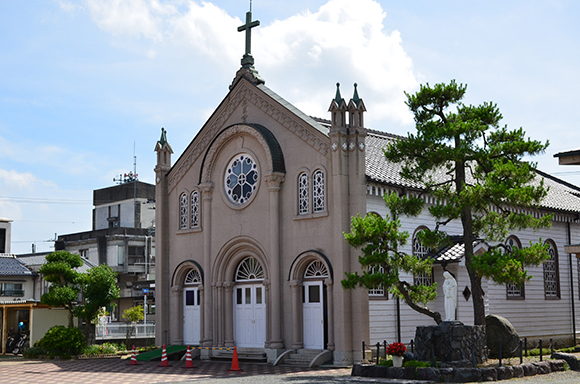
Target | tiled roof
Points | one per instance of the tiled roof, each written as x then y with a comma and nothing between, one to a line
10,266
39,259
562,196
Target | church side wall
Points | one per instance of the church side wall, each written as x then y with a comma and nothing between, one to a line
535,316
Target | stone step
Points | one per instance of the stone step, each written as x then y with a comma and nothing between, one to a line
254,355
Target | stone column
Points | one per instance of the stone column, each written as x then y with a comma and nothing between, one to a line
330,308
297,324
268,294
219,303
229,313
207,338
274,180
201,311
176,322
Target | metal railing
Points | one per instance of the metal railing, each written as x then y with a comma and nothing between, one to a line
119,331
12,292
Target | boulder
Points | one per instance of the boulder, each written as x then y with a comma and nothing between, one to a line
569,358
505,373
499,329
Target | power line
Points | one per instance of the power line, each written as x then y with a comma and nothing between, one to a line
39,200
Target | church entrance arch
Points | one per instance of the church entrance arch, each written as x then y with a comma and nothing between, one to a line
249,304
192,308
314,305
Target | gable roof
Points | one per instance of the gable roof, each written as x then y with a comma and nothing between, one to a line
264,99
11,266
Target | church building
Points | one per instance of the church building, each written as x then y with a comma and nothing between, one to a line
249,232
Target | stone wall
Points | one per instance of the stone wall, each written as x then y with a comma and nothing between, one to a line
452,342
459,375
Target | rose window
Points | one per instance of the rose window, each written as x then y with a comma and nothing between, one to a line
241,179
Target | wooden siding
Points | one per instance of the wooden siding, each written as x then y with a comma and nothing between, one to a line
534,316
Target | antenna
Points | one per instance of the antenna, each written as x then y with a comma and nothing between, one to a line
135,189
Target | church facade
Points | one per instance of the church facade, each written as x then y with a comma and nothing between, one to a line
249,227
249,235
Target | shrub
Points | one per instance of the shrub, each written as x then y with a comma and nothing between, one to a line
33,352
99,349
417,364
63,342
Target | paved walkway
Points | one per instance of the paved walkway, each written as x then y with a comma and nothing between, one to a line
109,371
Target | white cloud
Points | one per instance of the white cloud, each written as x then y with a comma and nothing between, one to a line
16,179
132,17
343,41
30,153
303,56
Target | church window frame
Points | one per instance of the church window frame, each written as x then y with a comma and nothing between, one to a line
241,179
193,277
379,292
551,273
183,211
514,291
195,210
303,194
318,191
316,269
249,269
420,251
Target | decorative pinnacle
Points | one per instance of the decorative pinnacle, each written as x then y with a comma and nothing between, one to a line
163,139
338,98
355,97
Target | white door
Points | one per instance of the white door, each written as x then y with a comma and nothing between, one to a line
312,314
191,316
250,316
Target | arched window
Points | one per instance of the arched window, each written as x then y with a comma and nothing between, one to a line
420,251
183,211
303,194
192,277
318,191
551,273
249,269
380,290
195,209
514,291
316,269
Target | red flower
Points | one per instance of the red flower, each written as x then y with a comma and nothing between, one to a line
397,349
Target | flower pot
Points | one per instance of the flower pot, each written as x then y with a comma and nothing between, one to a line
397,361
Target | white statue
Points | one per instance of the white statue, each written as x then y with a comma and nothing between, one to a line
450,291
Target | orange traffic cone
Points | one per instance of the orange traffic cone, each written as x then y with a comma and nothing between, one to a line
164,362
188,359
235,366
134,358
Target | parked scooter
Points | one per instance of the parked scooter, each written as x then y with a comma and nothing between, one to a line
22,344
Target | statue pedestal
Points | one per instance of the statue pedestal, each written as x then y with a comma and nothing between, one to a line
451,342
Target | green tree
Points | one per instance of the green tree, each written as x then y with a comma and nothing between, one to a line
476,171
132,316
98,289
380,241
59,270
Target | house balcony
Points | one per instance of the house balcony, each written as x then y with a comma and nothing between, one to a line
12,293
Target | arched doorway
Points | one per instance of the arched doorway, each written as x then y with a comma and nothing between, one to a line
249,305
314,310
192,307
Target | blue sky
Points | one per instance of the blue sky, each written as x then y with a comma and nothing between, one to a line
84,83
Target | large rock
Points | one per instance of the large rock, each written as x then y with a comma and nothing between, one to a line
499,329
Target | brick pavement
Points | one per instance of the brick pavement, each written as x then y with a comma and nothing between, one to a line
108,371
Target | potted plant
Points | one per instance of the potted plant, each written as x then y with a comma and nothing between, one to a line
397,350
